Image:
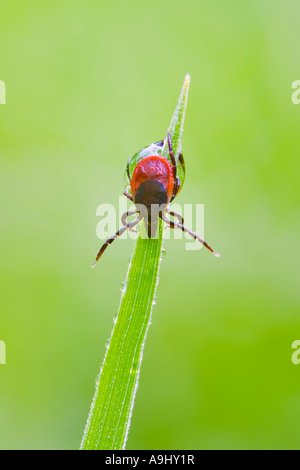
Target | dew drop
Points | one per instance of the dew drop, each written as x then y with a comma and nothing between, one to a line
123,287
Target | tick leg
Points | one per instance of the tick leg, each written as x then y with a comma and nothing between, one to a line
160,143
186,230
174,214
128,195
175,188
124,217
173,161
176,182
181,160
127,169
116,235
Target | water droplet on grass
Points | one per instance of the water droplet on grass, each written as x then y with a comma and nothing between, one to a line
123,287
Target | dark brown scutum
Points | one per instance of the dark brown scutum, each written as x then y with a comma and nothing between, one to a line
151,192
151,199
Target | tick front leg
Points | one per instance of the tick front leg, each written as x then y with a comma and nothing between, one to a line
175,214
124,218
192,234
116,235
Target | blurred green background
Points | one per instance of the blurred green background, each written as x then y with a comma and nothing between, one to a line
88,84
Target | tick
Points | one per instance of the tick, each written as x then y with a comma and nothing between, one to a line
154,183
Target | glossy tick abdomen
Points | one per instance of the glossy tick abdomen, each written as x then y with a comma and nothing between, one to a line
152,187
154,168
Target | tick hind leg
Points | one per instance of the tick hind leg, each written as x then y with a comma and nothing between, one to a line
128,175
127,195
116,235
171,154
172,224
176,182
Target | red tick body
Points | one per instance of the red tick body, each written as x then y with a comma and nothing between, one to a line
152,186
152,179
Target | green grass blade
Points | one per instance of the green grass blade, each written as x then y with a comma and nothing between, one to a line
110,414
177,122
